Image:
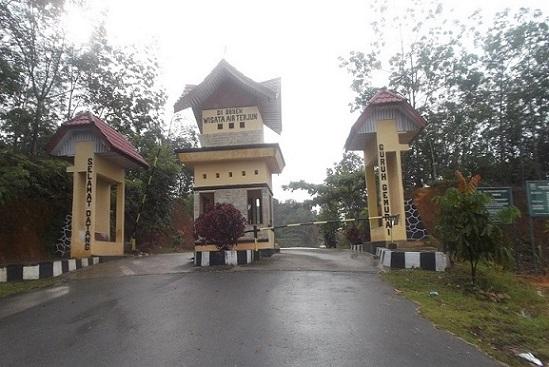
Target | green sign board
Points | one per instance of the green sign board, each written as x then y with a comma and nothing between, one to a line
502,197
538,198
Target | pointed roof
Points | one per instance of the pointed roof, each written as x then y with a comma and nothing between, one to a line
383,98
116,142
386,96
267,94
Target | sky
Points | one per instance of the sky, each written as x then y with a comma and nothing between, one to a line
299,41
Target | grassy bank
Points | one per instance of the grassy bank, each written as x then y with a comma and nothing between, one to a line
503,315
7,289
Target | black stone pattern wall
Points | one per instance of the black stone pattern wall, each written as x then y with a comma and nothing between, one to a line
63,245
415,230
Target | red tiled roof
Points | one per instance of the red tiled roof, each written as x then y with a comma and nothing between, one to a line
387,97
115,140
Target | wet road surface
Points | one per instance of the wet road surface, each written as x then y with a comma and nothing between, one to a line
302,307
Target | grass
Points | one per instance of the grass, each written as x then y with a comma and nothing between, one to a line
503,316
10,288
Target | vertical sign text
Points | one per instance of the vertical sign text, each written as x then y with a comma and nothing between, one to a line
384,186
89,200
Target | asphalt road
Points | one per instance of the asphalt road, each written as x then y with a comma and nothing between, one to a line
300,308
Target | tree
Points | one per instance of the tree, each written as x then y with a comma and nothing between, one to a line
45,80
120,85
466,227
27,187
183,136
152,193
484,90
291,211
223,225
34,40
341,195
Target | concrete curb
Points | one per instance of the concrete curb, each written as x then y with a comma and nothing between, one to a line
425,260
46,269
233,257
358,248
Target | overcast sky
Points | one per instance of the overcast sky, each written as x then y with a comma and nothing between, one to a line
299,41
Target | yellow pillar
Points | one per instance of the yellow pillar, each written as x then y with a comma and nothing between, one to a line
371,188
103,208
83,200
120,197
390,183
77,246
397,196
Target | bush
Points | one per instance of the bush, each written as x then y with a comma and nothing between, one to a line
223,225
353,235
468,231
35,197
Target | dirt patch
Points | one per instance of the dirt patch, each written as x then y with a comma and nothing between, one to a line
538,281
23,225
423,199
178,238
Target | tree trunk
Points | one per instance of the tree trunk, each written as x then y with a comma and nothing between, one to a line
35,128
473,272
473,265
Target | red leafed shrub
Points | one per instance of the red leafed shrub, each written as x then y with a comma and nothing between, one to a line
222,225
353,234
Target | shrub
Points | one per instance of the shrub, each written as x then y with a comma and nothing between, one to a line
222,225
468,231
353,235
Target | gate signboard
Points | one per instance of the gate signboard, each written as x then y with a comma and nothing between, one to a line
502,197
538,198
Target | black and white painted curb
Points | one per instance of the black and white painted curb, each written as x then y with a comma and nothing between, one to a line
234,257
426,260
43,270
357,248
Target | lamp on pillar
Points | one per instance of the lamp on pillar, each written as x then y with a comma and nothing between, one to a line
383,131
99,156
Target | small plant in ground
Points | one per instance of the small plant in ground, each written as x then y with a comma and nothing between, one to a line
466,227
223,225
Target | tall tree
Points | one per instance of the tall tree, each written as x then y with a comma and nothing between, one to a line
34,40
341,195
291,211
482,89
45,80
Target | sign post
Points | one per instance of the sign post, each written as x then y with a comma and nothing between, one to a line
537,193
502,197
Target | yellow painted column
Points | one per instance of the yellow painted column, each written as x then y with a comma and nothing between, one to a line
384,188
84,193
397,195
120,197
390,180
371,187
103,208
77,245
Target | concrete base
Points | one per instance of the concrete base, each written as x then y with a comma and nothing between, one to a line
399,259
372,247
358,248
209,258
233,257
45,269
